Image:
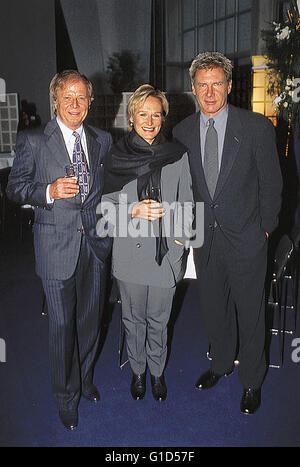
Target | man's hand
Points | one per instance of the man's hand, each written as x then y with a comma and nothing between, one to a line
148,209
65,187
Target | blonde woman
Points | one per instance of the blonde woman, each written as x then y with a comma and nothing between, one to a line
144,173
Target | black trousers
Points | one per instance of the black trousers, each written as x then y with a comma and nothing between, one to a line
74,310
232,302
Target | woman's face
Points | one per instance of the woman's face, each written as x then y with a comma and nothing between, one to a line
147,119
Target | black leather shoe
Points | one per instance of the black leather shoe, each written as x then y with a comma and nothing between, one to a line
91,394
250,401
69,418
138,386
159,388
209,379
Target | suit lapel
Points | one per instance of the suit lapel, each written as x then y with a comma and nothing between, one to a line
93,147
56,144
232,143
196,162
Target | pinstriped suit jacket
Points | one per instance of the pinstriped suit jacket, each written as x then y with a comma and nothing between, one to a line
41,157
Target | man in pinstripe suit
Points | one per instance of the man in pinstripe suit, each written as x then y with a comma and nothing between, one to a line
70,258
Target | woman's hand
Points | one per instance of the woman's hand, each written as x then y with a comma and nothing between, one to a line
148,209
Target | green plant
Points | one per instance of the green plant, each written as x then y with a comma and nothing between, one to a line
123,71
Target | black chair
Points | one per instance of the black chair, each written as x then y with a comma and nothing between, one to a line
115,299
282,302
26,218
44,311
4,174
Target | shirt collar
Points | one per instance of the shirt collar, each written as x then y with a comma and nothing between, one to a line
67,132
217,118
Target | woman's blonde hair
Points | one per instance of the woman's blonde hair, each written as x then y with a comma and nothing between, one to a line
140,95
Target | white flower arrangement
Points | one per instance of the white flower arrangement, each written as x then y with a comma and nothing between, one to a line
282,33
282,50
286,96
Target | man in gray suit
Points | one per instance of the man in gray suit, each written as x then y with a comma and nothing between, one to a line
59,171
235,172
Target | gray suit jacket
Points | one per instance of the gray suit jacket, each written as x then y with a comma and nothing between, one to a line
133,258
41,157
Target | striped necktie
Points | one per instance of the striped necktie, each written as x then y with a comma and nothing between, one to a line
80,162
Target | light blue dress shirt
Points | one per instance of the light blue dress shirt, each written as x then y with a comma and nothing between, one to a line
220,126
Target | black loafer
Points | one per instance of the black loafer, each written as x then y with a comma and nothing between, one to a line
138,386
69,418
250,401
209,379
159,388
91,394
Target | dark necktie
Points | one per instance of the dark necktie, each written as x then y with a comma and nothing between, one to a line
79,161
210,163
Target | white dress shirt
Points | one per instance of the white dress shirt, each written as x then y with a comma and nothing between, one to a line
69,140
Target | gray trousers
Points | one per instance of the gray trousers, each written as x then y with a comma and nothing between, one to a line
145,312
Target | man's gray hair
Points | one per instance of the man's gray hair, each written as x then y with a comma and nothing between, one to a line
209,60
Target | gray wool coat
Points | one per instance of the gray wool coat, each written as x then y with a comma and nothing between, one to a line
134,242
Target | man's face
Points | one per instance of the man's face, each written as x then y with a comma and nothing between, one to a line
211,90
72,103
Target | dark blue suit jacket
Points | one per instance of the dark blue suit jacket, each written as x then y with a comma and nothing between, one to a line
247,199
41,157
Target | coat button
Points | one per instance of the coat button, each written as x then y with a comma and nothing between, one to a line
138,245
101,164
